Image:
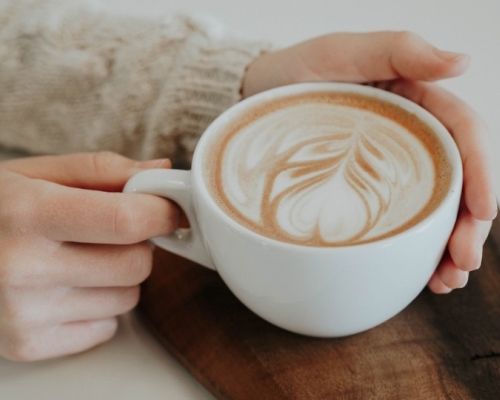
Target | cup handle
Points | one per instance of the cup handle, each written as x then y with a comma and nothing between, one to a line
175,185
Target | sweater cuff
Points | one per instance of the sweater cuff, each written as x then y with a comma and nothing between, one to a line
205,80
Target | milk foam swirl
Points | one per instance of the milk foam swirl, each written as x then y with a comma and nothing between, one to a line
325,174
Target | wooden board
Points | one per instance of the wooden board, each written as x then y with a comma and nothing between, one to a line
439,347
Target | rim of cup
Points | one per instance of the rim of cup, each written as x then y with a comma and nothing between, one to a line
437,127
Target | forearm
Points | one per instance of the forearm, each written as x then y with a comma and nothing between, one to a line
76,79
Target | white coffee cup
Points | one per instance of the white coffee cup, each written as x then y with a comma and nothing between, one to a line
317,291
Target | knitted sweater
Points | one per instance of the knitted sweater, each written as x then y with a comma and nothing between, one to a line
74,78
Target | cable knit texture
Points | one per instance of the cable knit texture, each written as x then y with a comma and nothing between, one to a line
74,78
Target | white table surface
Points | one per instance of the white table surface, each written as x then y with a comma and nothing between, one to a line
132,365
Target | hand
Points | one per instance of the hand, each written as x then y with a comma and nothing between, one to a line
405,64
72,254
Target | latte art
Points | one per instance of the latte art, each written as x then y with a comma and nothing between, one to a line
326,171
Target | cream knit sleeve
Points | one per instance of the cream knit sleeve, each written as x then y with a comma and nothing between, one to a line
73,78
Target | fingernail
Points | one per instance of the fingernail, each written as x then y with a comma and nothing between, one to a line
466,280
451,56
479,257
446,290
495,212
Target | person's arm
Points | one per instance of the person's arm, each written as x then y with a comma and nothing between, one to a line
74,78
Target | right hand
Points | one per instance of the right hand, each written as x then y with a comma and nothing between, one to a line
72,253
403,63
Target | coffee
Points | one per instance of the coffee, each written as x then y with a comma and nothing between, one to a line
327,169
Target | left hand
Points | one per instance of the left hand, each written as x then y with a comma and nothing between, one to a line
403,63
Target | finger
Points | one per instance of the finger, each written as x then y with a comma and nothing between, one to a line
100,171
89,265
81,304
450,275
68,214
61,340
437,286
35,308
467,240
374,56
471,136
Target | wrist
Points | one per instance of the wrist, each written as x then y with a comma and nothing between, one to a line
269,70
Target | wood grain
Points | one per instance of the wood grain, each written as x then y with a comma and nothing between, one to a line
440,347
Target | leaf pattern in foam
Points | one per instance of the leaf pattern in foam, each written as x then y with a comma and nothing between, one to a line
327,173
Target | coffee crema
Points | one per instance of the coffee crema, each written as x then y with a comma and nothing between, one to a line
327,169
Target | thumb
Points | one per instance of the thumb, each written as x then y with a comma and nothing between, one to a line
98,171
